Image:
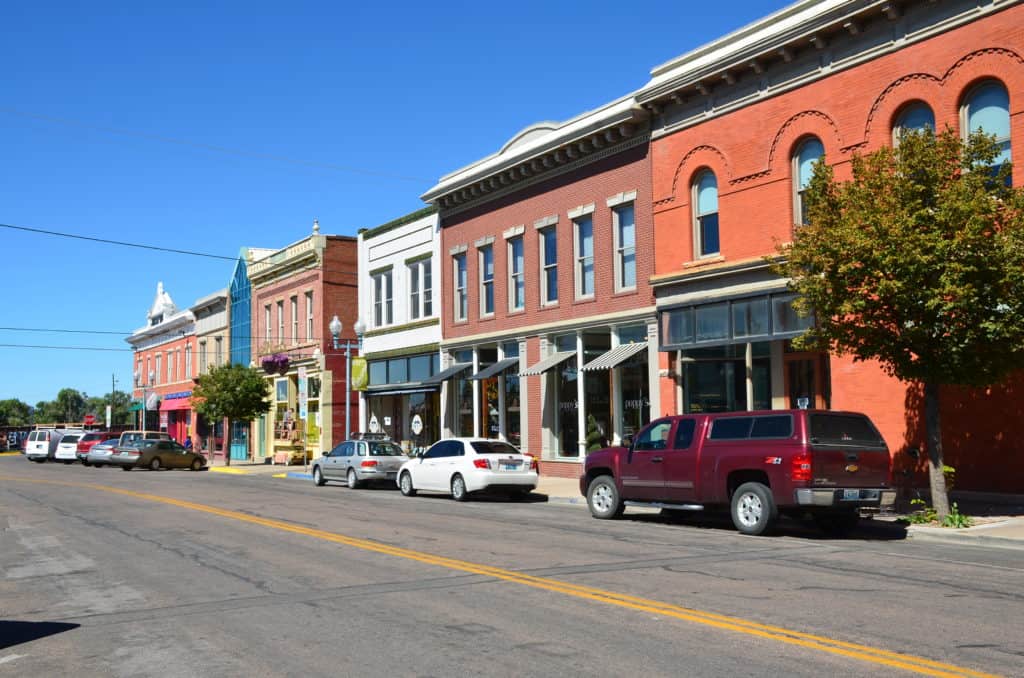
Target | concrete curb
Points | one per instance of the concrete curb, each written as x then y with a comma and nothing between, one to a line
963,536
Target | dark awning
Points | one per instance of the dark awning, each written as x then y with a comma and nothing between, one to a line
391,390
547,363
496,368
446,374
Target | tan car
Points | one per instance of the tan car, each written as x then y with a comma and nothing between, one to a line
156,455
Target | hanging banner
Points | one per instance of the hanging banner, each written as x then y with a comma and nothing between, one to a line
360,376
303,394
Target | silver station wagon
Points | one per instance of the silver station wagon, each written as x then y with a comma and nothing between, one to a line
358,462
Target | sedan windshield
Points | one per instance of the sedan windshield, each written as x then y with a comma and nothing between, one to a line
385,450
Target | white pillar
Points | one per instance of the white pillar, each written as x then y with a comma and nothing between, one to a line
501,398
581,409
749,369
477,386
615,383
524,419
653,373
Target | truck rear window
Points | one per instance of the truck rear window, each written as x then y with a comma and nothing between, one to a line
844,429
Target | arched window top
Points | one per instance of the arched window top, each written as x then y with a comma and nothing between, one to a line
809,151
707,192
987,108
915,116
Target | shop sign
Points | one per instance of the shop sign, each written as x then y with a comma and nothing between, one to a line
303,394
360,375
374,424
417,425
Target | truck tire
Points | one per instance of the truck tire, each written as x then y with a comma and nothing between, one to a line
603,498
753,509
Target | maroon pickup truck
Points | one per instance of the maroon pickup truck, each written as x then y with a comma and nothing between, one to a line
831,466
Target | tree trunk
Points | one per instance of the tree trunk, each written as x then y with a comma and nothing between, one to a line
226,444
933,428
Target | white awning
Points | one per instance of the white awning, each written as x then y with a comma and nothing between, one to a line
496,368
547,363
616,356
446,374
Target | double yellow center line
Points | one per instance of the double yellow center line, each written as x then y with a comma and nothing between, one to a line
809,641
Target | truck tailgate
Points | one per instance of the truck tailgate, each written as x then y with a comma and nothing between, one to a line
847,451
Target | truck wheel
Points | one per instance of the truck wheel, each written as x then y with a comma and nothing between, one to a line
837,524
603,498
753,509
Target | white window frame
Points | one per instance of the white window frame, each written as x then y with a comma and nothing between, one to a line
420,294
202,357
218,351
309,315
156,372
295,318
516,278
698,216
486,283
188,361
383,307
280,321
268,336
621,250
579,260
460,300
545,292
965,129
798,191
170,367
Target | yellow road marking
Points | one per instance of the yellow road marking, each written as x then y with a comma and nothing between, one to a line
228,469
867,653
279,475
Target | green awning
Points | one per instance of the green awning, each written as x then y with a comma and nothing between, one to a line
135,406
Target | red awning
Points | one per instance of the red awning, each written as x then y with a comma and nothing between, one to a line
176,404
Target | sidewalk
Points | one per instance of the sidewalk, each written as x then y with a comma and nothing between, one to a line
998,520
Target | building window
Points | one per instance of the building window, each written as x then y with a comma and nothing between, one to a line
549,266
516,281
486,280
428,288
188,361
420,292
266,322
382,306
705,201
624,227
202,357
280,322
915,116
987,109
309,317
295,319
807,153
461,300
218,351
584,241
170,366
156,372
138,373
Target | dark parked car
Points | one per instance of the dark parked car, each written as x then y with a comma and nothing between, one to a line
156,455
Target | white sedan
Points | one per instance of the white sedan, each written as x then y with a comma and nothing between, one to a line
461,466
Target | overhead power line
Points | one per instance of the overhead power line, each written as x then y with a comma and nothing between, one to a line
68,122
65,348
130,333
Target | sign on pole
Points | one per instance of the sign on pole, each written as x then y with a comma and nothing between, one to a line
89,419
108,416
303,394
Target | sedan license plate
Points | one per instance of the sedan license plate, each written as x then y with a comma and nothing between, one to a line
851,495
509,466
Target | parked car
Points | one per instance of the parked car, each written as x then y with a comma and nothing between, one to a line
41,444
155,455
86,442
67,448
99,454
462,466
829,465
360,461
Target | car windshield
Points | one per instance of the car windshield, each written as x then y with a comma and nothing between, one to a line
493,447
385,450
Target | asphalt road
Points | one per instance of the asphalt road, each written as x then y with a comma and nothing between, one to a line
201,574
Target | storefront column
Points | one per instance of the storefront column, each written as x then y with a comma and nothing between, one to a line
615,382
447,418
501,399
524,419
653,374
581,400
748,360
477,389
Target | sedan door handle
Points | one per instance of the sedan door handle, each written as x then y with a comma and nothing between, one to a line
656,460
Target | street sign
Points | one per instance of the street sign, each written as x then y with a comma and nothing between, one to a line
89,419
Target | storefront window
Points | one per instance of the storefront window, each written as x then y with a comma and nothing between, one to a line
715,380
597,384
568,423
398,370
510,349
420,367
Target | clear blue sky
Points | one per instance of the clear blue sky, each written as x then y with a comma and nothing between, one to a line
363,106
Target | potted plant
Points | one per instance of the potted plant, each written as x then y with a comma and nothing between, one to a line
277,362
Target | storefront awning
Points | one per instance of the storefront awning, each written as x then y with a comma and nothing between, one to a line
176,404
615,357
547,363
386,391
496,368
446,374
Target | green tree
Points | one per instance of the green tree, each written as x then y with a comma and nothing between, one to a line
234,392
917,262
119,402
13,412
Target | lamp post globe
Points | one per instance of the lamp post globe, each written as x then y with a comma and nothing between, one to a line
335,327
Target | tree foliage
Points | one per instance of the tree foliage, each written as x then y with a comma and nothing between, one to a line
14,412
917,262
232,392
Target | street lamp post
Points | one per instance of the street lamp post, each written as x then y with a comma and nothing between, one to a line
335,327
145,389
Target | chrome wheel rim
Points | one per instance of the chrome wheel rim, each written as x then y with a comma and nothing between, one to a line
458,487
406,483
351,479
316,475
602,498
749,509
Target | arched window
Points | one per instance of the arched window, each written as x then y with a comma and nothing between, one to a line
916,116
807,153
987,108
705,214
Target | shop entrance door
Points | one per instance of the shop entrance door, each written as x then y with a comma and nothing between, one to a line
807,380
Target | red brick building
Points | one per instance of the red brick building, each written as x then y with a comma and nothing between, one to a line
735,128
547,316
295,291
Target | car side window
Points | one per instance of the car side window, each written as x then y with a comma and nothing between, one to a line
436,451
361,449
731,428
684,434
348,449
654,437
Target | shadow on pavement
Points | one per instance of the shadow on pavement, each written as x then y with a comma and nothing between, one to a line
16,632
866,530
